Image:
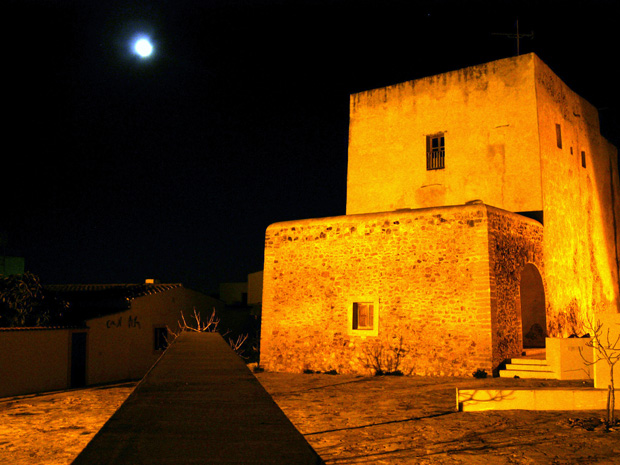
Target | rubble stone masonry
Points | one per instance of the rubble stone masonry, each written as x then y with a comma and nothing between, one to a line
514,241
440,310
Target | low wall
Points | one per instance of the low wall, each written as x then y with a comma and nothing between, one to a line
34,360
480,400
570,358
610,338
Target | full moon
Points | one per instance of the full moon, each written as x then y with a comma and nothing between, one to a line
143,47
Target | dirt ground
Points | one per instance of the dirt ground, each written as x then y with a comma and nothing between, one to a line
412,420
347,419
52,429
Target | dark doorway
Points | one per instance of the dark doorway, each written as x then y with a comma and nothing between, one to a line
78,360
533,315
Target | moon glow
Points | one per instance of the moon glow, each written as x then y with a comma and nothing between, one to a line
143,47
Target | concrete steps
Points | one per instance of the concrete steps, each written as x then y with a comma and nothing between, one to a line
533,365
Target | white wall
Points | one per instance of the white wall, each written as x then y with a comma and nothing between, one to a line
121,345
34,360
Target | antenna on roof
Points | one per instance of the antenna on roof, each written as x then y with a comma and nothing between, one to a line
518,36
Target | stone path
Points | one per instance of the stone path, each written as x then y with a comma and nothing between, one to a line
199,404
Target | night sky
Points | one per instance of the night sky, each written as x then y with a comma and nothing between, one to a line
117,169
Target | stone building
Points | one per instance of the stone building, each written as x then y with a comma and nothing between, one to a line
482,216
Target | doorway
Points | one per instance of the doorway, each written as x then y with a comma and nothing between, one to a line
533,314
78,360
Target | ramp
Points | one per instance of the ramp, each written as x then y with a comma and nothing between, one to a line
199,404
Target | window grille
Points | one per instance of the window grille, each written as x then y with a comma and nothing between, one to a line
435,152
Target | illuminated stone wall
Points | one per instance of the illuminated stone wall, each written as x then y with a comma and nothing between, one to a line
514,241
430,273
581,208
488,116
499,120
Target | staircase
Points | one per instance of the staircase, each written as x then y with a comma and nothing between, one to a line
532,365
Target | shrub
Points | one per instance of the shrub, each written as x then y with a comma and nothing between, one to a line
386,360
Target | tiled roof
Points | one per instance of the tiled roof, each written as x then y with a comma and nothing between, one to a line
40,328
94,300
130,291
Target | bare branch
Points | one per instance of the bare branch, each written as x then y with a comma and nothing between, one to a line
604,349
236,345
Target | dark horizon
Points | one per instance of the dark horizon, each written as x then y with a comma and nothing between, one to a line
173,168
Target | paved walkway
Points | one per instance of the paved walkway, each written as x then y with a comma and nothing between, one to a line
199,404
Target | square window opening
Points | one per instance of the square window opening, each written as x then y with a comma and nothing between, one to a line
363,315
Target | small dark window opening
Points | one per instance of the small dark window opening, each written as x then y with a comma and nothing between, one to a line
363,315
583,158
160,339
558,135
537,215
435,152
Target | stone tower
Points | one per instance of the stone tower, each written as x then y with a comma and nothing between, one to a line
482,215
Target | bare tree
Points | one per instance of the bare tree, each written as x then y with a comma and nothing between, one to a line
608,350
208,326
237,344
199,326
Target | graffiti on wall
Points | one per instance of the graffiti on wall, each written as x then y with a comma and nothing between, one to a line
132,322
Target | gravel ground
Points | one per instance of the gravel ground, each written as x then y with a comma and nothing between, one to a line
347,419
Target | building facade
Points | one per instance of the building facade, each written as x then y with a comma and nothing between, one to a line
117,333
482,215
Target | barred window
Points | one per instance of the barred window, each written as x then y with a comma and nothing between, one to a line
435,152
